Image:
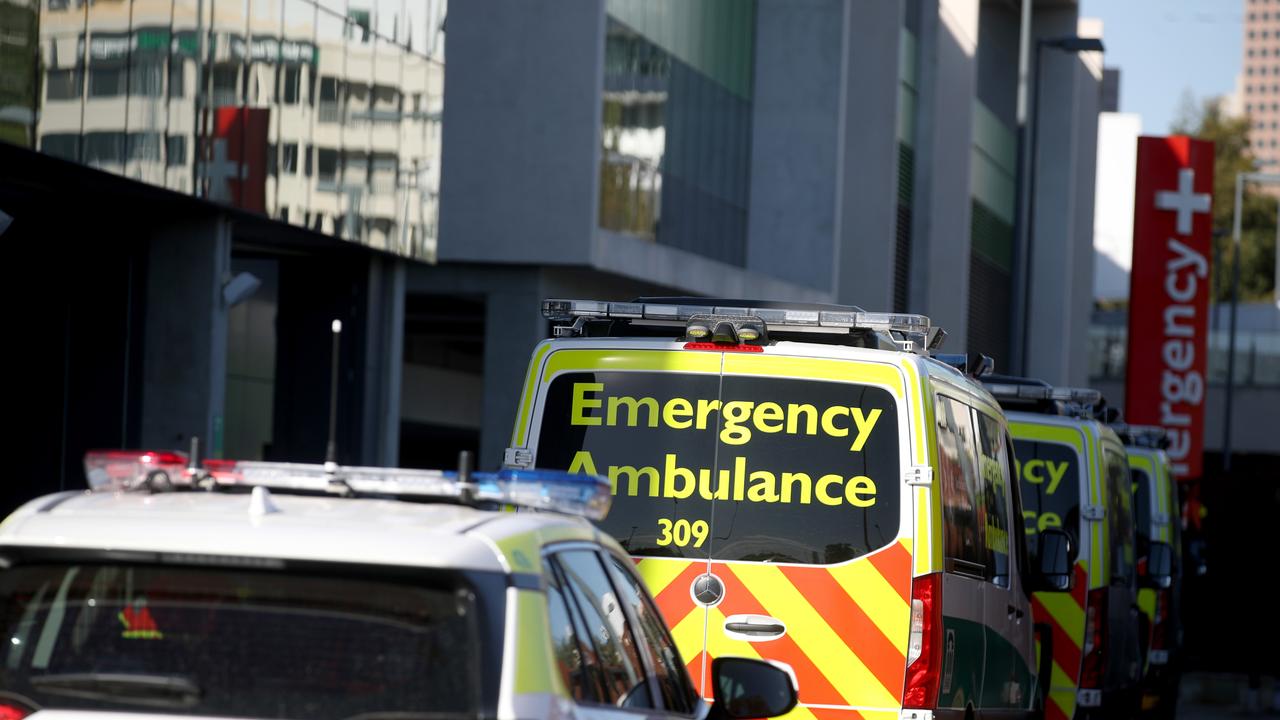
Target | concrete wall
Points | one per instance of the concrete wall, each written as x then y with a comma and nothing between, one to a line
437,396
944,140
795,150
521,135
1061,259
867,189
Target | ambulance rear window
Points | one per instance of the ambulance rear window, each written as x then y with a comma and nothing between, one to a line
1049,477
1141,508
752,468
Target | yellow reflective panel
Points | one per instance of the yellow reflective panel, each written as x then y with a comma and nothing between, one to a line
534,657
521,429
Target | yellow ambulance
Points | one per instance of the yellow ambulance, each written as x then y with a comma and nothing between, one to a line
1157,521
1074,476
804,484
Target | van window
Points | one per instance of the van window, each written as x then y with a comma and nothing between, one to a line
1120,516
802,471
1049,477
964,507
993,460
1141,483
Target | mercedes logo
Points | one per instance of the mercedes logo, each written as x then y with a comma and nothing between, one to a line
707,590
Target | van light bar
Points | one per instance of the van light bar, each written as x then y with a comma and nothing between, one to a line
917,334
1148,436
1013,391
587,496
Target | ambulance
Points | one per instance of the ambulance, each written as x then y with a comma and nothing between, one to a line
1074,476
1159,545
803,484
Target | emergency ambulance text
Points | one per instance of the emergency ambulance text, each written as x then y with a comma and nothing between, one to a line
591,406
736,483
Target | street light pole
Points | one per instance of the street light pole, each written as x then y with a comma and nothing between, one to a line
1026,235
1241,179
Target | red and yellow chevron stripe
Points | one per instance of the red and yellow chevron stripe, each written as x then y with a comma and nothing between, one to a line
847,625
1064,613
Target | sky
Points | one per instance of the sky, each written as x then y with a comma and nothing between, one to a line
1164,48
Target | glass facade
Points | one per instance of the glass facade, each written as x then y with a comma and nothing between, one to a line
675,166
323,114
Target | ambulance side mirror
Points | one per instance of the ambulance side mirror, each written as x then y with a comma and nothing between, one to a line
1057,555
750,688
1159,566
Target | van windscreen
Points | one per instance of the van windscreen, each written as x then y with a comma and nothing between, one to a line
752,468
1049,477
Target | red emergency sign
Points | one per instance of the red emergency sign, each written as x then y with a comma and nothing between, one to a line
1169,294
235,161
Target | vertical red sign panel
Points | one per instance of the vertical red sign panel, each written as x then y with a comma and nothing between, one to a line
236,163
1169,294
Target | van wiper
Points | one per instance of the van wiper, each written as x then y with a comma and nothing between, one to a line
151,690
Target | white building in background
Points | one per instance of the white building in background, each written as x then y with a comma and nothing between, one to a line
1113,207
350,95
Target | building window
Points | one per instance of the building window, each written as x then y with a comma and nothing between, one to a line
676,132
328,109
64,84
175,151
308,161
327,165
177,78
106,81
146,78
61,145
224,85
291,84
144,146
104,148
289,159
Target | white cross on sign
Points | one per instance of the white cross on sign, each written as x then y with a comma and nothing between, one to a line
1184,202
220,171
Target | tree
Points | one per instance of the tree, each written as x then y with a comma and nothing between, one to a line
1233,154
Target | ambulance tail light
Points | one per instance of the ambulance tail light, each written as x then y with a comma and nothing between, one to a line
1160,625
924,644
1095,640
11,710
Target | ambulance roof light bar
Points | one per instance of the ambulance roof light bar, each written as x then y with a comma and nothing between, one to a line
1144,436
587,496
1019,392
1080,396
910,333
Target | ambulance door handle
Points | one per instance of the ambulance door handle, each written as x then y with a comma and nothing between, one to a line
753,628
1015,612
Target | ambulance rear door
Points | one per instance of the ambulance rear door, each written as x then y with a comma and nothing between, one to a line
810,538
